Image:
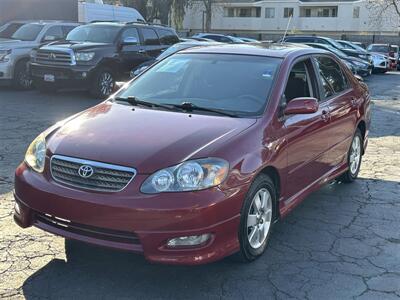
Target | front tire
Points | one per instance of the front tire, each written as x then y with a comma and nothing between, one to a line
104,84
22,79
354,158
257,219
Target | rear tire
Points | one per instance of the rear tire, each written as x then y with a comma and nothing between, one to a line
354,158
104,84
257,218
22,79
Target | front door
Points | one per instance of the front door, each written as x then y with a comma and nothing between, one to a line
307,135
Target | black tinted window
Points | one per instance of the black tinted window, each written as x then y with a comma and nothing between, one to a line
167,37
130,33
332,74
150,37
67,29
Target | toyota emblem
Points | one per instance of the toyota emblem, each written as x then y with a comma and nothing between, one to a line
52,56
85,171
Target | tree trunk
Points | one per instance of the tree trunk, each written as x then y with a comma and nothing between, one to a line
208,7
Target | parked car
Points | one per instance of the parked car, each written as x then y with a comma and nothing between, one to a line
352,46
362,45
388,51
192,161
248,40
219,38
196,39
356,65
15,52
381,63
96,55
8,29
171,50
331,42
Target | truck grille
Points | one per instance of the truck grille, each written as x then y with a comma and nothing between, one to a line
90,175
54,58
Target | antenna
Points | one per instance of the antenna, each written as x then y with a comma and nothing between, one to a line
287,28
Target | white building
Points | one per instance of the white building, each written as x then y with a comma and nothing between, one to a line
271,17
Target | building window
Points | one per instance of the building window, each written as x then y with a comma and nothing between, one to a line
319,12
288,12
242,12
356,12
270,12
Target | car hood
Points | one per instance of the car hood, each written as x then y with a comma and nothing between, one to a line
145,139
16,44
75,45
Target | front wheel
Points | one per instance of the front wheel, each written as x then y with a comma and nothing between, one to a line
22,79
354,157
257,219
104,83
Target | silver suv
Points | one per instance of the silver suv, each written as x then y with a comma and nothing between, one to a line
15,51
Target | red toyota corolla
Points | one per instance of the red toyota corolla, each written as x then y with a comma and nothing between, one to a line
200,155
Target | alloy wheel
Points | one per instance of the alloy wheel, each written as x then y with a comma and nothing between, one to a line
355,155
259,218
106,84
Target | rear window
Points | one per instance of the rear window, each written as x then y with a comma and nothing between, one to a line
167,37
238,84
150,37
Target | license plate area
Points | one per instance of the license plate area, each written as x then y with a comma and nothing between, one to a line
49,78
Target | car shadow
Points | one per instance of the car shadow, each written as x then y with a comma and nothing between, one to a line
304,247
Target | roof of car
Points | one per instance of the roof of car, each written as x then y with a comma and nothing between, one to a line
271,50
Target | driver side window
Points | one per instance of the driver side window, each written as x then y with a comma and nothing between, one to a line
298,84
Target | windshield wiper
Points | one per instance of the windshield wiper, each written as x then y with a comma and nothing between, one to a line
132,100
189,107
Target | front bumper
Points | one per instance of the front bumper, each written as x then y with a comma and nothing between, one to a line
132,221
78,76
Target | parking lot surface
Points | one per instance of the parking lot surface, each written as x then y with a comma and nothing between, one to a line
343,242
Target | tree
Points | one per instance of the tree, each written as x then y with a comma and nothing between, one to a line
209,7
384,11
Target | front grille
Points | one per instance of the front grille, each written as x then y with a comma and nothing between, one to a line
89,231
54,58
104,177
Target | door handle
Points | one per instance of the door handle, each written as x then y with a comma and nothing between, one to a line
325,116
142,51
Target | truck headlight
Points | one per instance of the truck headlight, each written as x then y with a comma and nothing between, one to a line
5,55
84,56
36,154
191,175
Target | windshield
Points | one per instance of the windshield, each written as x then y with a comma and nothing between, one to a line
379,48
7,30
28,32
238,84
336,44
94,33
338,52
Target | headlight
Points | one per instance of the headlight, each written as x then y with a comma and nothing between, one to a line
36,154
191,175
4,55
84,56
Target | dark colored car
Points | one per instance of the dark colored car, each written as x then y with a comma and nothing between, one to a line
219,38
171,50
192,161
356,65
330,42
96,55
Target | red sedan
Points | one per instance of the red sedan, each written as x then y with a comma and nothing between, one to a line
199,156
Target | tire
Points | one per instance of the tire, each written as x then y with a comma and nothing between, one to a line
22,79
354,158
253,240
104,83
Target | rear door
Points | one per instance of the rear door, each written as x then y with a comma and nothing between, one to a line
151,42
338,93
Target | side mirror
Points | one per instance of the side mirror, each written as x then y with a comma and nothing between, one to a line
302,106
359,78
129,41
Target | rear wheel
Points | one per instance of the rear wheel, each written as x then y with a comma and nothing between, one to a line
257,219
22,79
104,83
354,157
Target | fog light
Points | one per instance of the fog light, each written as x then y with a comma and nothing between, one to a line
84,74
17,208
192,240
